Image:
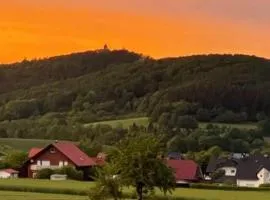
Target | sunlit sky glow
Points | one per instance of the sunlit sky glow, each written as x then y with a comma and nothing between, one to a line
159,28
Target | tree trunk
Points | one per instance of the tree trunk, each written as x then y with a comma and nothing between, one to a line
139,190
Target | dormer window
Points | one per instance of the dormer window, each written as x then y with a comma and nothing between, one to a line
52,150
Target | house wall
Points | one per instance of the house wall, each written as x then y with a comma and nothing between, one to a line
48,159
229,171
264,176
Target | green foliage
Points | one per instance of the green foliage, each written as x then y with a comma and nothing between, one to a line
108,185
138,164
15,159
217,175
71,173
187,122
264,127
44,173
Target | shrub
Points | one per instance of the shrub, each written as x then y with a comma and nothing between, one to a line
203,115
267,185
44,174
71,172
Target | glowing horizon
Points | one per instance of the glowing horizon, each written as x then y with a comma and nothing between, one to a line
158,28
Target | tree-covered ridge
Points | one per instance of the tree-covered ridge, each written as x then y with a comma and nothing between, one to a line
41,97
27,74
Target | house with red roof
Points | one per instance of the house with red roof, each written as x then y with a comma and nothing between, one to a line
185,171
55,156
8,173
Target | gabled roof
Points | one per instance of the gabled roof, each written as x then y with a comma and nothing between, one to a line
184,169
10,171
249,167
216,163
70,150
78,157
33,152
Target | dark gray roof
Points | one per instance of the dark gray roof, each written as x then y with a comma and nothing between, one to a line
248,168
216,163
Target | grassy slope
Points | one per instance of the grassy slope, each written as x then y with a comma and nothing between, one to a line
36,196
144,122
24,144
194,194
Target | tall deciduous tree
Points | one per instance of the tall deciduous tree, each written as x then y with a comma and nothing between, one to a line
139,163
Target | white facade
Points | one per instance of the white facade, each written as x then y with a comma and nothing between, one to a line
229,171
4,174
263,178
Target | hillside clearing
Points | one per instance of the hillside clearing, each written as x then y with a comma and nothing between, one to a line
24,144
144,121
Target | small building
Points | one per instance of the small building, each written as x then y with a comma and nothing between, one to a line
55,156
253,171
8,173
186,171
228,165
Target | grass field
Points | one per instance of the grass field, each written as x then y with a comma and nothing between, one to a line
24,144
126,123
76,185
186,194
37,196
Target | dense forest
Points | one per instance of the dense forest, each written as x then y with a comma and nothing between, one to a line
96,85
54,98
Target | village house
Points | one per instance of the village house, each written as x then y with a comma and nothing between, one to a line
55,156
185,171
8,173
246,171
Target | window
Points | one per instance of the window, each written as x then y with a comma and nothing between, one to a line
46,163
66,163
52,150
39,163
232,171
61,163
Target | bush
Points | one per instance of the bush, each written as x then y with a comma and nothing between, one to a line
44,174
71,173
203,115
231,117
267,185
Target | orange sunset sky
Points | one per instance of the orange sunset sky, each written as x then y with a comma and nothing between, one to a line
41,28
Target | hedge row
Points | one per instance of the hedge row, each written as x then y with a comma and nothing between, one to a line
227,187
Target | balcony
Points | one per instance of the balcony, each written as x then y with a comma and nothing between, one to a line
40,167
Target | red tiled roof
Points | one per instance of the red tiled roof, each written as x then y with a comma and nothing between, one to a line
71,151
34,151
184,169
10,171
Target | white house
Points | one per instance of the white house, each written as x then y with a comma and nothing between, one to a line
262,177
8,173
253,171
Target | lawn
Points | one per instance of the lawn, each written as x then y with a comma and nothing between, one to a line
221,195
125,123
75,185
144,121
187,194
37,196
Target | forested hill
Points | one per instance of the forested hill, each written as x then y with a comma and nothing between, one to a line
91,86
27,74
